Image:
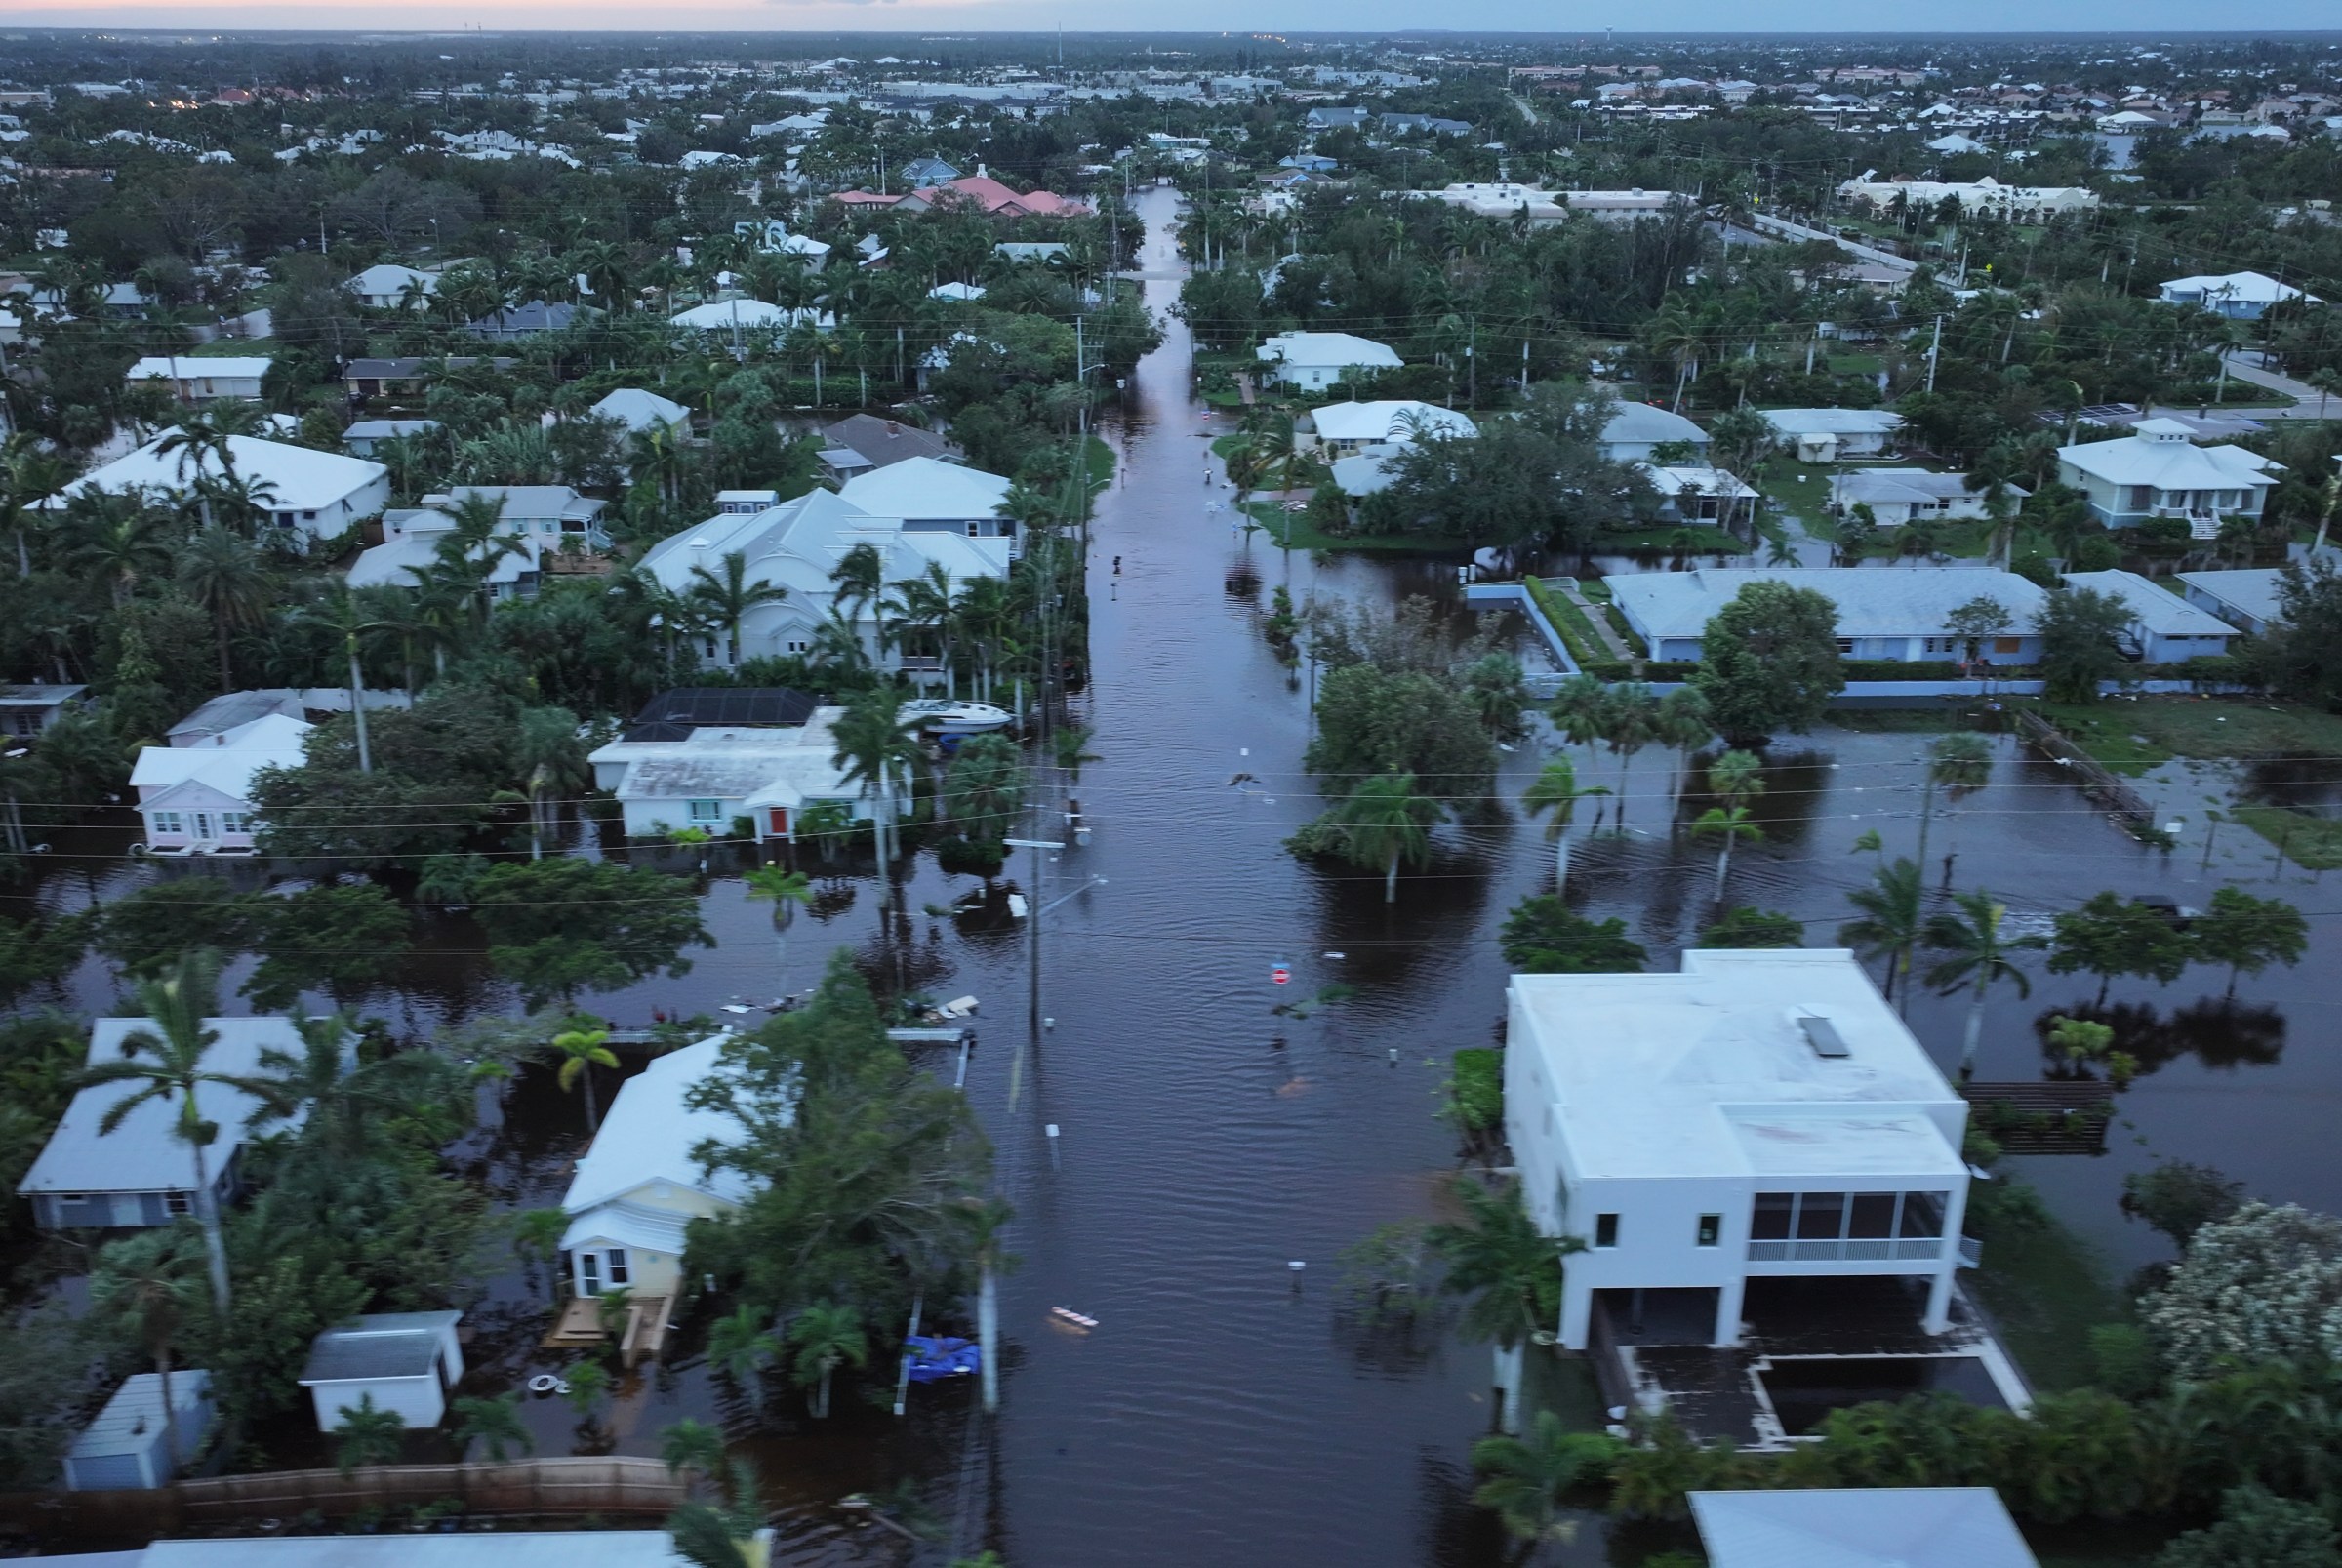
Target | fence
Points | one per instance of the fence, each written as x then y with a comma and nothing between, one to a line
2106,787
612,1487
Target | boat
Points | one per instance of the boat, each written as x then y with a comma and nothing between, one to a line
940,716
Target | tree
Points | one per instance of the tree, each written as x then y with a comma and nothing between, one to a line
146,931
561,926
1888,924
149,1285
1744,927
1956,764
876,746
1372,721
343,937
1543,936
1977,956
2178,1199
224,575
1382,824
1629,721
691,1448
1555,791
2081,631
493,1423
1527,1480
2265,1284
368,1435
1769,662
983,789
726,1536
741,1346
2248,934
1684,724
1734,779
1975,621
784,891
825,1337
2110,936
725,598
2301,653
166,1063
1507,1270
579,1052
2257,1529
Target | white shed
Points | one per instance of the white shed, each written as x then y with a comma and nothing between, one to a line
127,1447
407,1361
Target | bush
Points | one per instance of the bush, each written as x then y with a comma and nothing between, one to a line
1475,1089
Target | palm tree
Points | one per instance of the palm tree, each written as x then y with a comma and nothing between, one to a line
1684,723
858,579
117,537
224,576
825,1337
205,439
922,604
164,1063
495,1424
1957,763
1528,1479
691,1449
368,1435
784,890
1510,1271
741,1346
1728,825
1382,821
1734,778
1630,721
874,742
726,598
728,1537
346,612
1557,791
1978,956
1888,924
149,1285
580,1052
1576,710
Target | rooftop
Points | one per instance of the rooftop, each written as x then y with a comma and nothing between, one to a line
1868,1527
2157,611
1872,602
922,488
2249,590
1328,349
651,1131
1388,419
1795,422
2161,453
136,1410
1647,422
380,1345
303,479
1711,1072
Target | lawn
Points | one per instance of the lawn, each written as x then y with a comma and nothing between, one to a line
1698,539
1295,531
2313,843
2047,1290
2132,736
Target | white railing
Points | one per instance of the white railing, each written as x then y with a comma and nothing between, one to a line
1907,1249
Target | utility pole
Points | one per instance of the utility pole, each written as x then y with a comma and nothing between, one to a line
1932,348
1032,917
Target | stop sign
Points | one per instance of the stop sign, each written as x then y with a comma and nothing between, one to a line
1281,974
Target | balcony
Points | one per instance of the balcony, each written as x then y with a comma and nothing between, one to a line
1883,1249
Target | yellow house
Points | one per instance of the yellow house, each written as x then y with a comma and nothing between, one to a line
639,1186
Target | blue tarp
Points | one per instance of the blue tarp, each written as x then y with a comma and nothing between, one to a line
935,1357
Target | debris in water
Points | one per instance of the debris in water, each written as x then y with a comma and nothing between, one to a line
1066,1317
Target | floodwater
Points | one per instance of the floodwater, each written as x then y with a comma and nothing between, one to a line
1224,1410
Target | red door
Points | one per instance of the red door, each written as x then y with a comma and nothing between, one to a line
779,827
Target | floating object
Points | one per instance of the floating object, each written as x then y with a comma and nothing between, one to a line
935,1357
1072,1318
1017,906
1297,1266
1281,973
1337,955
735,1007
958,1007
545,1383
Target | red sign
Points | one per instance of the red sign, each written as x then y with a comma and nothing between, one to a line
1281,974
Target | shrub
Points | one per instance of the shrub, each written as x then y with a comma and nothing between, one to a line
1475,1089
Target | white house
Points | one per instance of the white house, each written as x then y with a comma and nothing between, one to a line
197,799
641,1186
1699,494
403,1361
2237,295
1636,430
1827,434
929,494
143,1172
957,293
1505,201
30,709
1860,1527
1315,360
1988,197
130,1446
746,315
195,379
1896,496
2245,598
409,548
364,435
1882,613
1761,1113
232,711
485,1549
795,546
2157,471
1344,430
2164,627
640,411
316,494
384,285
717,774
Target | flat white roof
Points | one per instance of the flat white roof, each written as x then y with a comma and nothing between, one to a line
2157,611
1860,1527
194,368
1793,422
1709,1072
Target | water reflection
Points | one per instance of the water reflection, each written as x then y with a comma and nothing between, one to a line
2220,1032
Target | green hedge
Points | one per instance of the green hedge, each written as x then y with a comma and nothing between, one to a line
1577,632
1662,669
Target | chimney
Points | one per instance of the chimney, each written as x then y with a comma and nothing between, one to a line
980,172
893,428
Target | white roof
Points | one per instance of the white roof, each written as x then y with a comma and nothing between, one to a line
922,489
546,1548
185,368
226,762
1644,422
638,410
1331,349
145,1153
799,543
1365,473
132,1421
1904,485
649,1135
1793,422
2160,453
396,561
304,480
722,316
1701,481
1388,419
756,766
2248,288
2249,591
1708,1073
1871,601
1868,1527
387,277
957,290
383,429
2156,611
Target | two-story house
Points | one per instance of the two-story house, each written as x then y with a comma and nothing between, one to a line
2159,471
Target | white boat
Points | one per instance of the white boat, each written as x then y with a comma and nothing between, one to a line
942,716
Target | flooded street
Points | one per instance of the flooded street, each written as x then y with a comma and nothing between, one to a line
1222,1411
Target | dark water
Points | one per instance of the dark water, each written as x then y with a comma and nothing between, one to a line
1222,1411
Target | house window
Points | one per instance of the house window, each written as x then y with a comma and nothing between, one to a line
590,1274
1605,1229
619,1273
309,517
1845,645
1712,1228
235,822
2005,645
166,821
975,531
1924,1214
799,645
1872,1217
178,1203
1821,1216
707,811
1771,1220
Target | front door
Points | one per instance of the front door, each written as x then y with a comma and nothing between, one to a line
203,824
590,1274
777,822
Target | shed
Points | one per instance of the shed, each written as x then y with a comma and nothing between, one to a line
407,1361
127,1447
1865,1527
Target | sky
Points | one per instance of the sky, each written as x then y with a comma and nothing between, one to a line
1180,15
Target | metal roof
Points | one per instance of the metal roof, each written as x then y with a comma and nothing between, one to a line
131,1418
145,1153
381,1345
1875,1527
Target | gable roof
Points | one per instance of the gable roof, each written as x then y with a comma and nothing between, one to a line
387,277
722,316
304,480
199,368
2249,591
1645,422
1388,419
225,761
2153,609
650,1133
2243,287
2159,452
925,489
378,1344
886,441
638,410
1868,1527
1793,422
1328,349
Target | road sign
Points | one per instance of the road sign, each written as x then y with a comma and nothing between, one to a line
1281,974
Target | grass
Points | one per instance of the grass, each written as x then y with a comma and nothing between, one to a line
2313,843
232,349
1585,645
1704,538
2047,1290
1295,531
2132,737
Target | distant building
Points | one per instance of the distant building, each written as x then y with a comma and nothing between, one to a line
197,799
1344,429
1897,495
28,710
1501,199
928,171
640,411
1690,495
386,286
1986,197
1827,434
2237,295
1882,613
529,320
861,442
1634,431
317,494
195,378
364,436
1313,361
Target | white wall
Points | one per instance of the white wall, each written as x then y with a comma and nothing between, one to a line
421,1401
